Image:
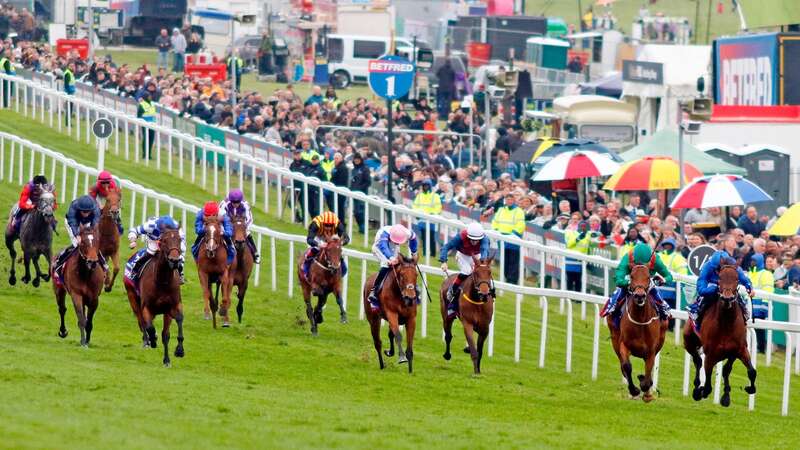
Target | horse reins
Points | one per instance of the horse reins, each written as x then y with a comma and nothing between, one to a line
644,324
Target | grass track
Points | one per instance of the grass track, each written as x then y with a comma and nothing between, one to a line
267,383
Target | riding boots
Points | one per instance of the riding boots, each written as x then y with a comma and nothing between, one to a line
373,294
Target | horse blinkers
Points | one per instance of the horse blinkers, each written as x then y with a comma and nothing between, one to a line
172,253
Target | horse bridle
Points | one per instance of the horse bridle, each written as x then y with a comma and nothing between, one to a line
169,250
328,267
407,300
208,239
89,263
476,285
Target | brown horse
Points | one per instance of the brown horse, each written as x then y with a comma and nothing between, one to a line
212,268
242,264
398,300
159,292
82,278
109,233
641,332
723,336
475,309
324,277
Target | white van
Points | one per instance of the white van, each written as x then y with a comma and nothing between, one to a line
349,56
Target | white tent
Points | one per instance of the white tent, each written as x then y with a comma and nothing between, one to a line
682,65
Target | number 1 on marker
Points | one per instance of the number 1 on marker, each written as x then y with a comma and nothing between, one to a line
390,86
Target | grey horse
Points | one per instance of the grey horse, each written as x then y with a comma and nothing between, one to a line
36,238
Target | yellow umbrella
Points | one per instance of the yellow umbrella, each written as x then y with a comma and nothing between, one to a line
789,222
547,142
651,173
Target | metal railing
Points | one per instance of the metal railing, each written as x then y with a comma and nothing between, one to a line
20,159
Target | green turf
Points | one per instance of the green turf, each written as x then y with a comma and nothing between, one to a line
626,11
267,383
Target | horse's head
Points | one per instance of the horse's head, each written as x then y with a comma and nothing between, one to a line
169,245
213,235
113,201
482,277
406,274
332,254
239,231
89,246
47,201
728,283
640,283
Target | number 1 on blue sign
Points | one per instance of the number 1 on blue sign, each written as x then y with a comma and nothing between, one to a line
390,86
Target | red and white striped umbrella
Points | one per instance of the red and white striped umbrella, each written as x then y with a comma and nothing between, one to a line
578,164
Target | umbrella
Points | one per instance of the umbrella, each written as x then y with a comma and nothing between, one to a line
579,164
650,173
719,190
571,145
788,223
530,150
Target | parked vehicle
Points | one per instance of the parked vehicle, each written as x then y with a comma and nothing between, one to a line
247,46
349,55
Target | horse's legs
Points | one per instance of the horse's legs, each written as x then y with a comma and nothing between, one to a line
240,291
708,366
322,299
394,327
482,334
627,369
48,256
77,303
375,328
26,260
447,324
178,316
165,338
697,393
646,380
411,327
226,298
390,352
473,351
725,400
12,255
342,313
61,294
206,288
148,326
113,276
35,261
744,356
92,307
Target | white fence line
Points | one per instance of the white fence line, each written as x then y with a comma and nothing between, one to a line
22,153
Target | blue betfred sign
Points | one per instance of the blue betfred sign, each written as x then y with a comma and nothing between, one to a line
391,76
746,70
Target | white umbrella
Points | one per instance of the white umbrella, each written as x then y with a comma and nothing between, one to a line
577,164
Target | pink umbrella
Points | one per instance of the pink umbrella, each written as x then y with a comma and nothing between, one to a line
578,164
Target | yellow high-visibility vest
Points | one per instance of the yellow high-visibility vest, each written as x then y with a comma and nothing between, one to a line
148,111
509,221
429,203
327,166
675,262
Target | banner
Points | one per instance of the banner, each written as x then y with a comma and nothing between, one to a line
214,135
746,70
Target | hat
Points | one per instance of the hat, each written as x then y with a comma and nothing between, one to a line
104,176
210,209
780,211
85,203
563,216
315,156
669,241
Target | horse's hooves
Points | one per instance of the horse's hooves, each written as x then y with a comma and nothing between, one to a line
447,356
25,280
466,350
750,389
207,316
226,324
314,333
84,345
725,400
388,353
402,359
648,397
343,319
167,363
640,377
706,392
62,334
697,394
107,289
318,318
35,282
45,277
12,280
179,353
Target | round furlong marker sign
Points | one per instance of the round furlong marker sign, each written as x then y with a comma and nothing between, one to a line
391,76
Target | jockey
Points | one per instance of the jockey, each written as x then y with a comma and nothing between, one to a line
83,211
28,199
99,192
467,244
152,230
640,254
235,205
211,209
707,284
387,248
322,228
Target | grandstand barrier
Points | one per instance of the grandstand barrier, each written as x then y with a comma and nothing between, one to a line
20,158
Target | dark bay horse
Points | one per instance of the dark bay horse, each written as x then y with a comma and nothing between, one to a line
213,269
398,300
324,277
35,238
475,309
641,332
159,292
109,234
242,264
723,336
82,279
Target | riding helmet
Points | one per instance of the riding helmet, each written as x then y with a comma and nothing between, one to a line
40,179
104,176
328,218
398,234
235,196
85,203
211,209
475,231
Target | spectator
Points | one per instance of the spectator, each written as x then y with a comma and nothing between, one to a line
316,97
750,223
178,43
163,45
676,263
575,65
147,112
359,182
762,279
315,170
446,77
697,215
427,202
510,220
577,240
234,66
340,176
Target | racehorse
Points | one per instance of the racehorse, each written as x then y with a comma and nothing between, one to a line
398,300
723,336
35,238
475,309
109,233
159,292
243,263
82,277
212,268
641,332
324,277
